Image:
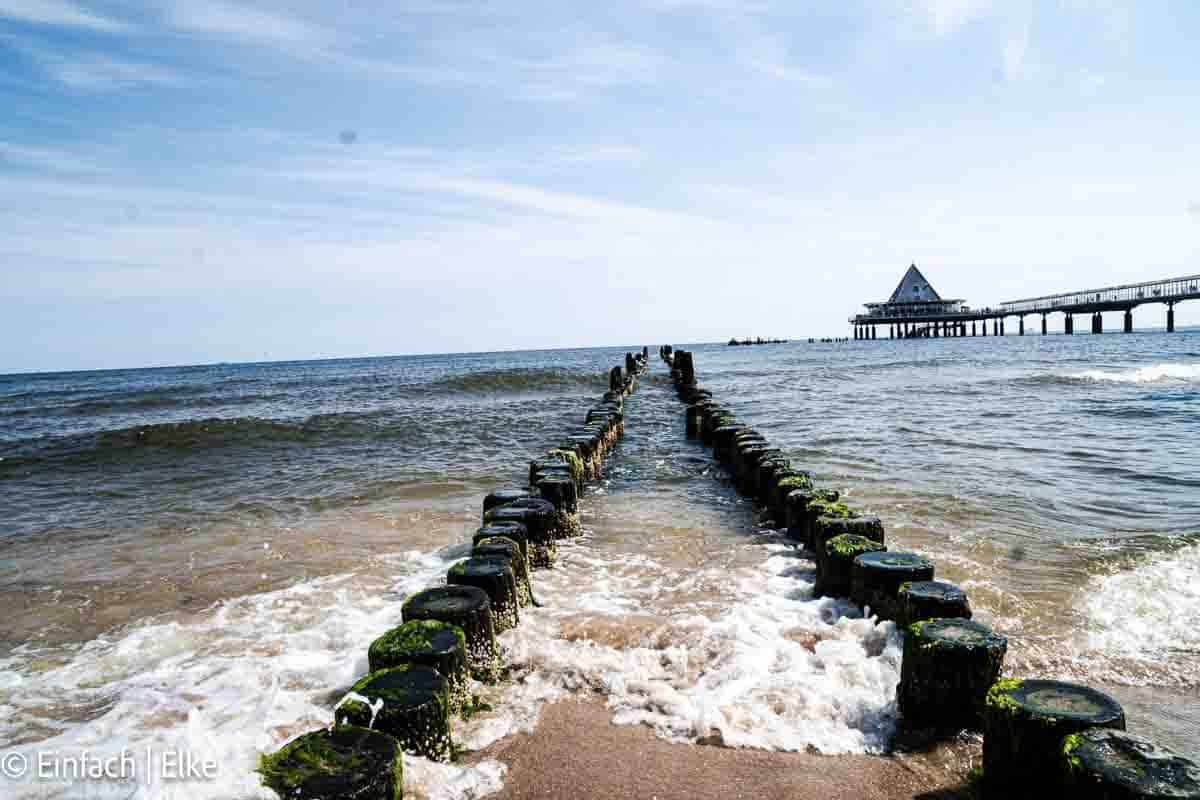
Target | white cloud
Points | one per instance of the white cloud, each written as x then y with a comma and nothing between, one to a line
94,72
241,23
58,12
946,17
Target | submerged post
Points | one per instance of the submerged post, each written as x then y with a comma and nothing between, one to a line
1043,324
1129,320
1170,317
1021,325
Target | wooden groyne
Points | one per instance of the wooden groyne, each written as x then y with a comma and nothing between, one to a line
421,670
1041,738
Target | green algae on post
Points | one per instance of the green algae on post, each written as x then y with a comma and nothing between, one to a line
1024,724
947,670
346,761
1109,764
468,608
827,527
835,561
428,642
514,531
410,702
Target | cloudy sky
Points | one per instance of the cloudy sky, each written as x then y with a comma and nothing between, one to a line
195,181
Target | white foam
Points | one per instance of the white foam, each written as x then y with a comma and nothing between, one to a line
1147,613
746,657
236,681
1155,373
772,669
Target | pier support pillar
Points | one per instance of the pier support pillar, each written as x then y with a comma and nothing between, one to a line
1170,317
1043,324
1021,326
1068,324
973,333
1001,327
872,331
1129,320
1098,324
891,331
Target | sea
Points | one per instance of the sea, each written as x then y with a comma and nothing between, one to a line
193,560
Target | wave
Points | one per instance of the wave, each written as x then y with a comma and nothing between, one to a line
1147,615
1164,374
517,380
211,433
1154,373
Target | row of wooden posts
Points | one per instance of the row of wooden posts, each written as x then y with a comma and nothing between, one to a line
1040,737
420,672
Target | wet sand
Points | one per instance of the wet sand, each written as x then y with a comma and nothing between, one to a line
577,753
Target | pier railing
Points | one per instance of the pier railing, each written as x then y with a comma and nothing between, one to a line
1162,291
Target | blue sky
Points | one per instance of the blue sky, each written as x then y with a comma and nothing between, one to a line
196,181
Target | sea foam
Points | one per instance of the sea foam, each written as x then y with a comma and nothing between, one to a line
1148,613
1154,373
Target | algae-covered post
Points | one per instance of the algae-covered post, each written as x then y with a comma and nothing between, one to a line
503,547
468,608
516,531
500,497
1114,765
947,669
428,642
1024,724
541,524
828,526
410,702
920,600
876,578
835,563
345,761
494,576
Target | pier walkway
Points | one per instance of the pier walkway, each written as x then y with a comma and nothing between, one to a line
928,316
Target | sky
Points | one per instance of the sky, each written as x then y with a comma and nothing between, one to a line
190,182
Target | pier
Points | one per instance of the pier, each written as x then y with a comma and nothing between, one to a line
916,310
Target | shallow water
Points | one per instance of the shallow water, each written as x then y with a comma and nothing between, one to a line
197,558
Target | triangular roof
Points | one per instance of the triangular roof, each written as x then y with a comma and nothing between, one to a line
914,288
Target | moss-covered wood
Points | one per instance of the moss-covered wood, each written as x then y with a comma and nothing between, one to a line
345,763
495,576
785,482
540,519
835,563
1024,724
468,608
918,600
1107,764
410,702
516,531
766,474
947,669
503,547
431,643
501,497
815,503
875,579
563,494
827,527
